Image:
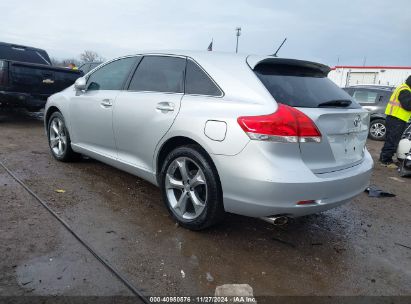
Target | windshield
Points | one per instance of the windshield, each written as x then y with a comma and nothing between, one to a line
300,86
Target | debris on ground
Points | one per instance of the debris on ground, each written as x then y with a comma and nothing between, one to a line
284,242
183,274
374,191
397,179
209,277
392,166
60,191
234,290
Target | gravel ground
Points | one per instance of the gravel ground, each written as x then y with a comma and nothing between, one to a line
361,248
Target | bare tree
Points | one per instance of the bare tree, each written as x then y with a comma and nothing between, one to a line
64,62
90,56
55,61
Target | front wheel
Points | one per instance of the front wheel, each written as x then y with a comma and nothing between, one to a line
59,138
377,129
191,188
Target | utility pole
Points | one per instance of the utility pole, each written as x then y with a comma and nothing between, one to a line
238,33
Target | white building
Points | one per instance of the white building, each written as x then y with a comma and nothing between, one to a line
380,75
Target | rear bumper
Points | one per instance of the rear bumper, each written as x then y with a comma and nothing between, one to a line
22,100
255,185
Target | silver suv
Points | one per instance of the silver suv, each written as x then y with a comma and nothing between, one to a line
258,136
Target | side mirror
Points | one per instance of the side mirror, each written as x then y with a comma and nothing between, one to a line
80,84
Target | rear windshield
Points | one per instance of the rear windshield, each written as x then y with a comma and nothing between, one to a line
23,54
300,86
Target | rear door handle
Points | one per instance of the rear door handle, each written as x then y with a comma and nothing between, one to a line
165,106
107,103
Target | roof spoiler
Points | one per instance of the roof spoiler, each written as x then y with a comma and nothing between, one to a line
253,62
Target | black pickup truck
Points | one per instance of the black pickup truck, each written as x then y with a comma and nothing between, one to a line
27,77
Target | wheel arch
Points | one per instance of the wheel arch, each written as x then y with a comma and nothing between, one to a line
173,143
47,116
377,116
49,112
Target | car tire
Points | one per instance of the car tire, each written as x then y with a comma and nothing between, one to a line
196,201
377,129
59,139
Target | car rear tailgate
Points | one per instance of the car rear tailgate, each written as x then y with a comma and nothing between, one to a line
342,122
344,134
38,79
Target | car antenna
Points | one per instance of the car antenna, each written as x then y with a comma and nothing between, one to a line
281,45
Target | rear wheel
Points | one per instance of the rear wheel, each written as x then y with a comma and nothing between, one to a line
191,188
377,129
59,138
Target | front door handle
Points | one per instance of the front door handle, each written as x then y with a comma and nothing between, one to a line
165,106
107,103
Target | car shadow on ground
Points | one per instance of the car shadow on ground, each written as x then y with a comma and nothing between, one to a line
20,116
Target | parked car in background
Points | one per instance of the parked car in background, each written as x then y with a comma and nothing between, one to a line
373,98
88,66
27,78
253,135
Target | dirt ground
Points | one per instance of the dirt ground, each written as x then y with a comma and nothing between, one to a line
361,248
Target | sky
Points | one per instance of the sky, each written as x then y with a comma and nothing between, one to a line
377,32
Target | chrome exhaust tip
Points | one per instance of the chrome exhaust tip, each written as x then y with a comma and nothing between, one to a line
276,220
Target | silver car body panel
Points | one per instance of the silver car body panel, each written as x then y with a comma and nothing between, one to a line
134,115
258,178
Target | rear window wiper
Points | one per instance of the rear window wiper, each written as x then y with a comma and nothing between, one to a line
341,103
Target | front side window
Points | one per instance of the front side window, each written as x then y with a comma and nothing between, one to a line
198,82
364,96
111,76
159,74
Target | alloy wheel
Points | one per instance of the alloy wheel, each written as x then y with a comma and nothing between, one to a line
378,130
57,137
186,188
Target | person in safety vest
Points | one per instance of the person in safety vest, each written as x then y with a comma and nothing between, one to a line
398,113
72,66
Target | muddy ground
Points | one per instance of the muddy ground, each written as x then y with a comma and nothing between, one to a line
361,248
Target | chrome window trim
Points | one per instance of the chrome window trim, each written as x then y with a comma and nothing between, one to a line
163,55
104,64
158,92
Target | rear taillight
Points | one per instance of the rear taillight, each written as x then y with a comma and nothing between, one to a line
3,73
287,124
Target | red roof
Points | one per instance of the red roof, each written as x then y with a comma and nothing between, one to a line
382,67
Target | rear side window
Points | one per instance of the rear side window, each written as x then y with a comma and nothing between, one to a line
159,74
364,96
198,82
300,86
111,76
